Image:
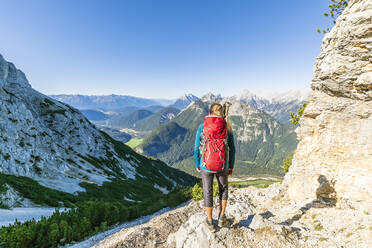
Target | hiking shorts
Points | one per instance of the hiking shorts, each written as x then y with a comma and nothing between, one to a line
207,179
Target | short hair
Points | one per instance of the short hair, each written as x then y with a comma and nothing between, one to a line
216,109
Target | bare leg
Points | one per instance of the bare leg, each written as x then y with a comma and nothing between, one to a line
223,204
208,211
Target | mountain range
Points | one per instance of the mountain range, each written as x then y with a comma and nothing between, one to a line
168,132
106,101
261,141
278,105
116,102
99,108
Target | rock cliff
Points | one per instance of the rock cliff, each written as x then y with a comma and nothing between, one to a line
335,133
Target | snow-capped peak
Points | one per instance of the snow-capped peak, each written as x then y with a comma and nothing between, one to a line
189,97
209,97
298,95
184,101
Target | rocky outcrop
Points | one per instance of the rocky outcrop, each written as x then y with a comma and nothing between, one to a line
335,132
259,218
154,233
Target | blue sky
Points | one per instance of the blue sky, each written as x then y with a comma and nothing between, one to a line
163,48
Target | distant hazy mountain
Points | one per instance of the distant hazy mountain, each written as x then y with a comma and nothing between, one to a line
164,102
94,115
142,119
51,144
154,108
157,118
116,134
278,105
261,141
128,121
184,101
107,102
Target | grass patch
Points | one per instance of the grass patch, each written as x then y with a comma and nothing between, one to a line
318,227
266,229
197,190
323,239
134,142
258,183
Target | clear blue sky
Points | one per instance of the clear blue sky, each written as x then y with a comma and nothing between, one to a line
162,48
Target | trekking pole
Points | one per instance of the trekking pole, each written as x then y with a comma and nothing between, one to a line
227,107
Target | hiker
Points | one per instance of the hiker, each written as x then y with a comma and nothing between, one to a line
214,155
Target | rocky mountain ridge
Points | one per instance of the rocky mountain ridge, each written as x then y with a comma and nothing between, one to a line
184,101
55,145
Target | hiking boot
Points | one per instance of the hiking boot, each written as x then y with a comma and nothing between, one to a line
210,225
222,220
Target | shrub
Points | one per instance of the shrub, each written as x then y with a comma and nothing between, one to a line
13,120
295,117
335,10
21,143
6,156
36,168
287,162
318,227
197,191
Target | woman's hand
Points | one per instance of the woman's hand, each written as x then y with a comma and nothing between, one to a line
198,170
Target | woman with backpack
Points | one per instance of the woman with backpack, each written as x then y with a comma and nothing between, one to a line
214,155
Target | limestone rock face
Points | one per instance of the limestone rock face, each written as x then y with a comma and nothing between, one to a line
335,133
55,145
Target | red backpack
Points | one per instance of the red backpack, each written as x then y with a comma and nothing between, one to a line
214,143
